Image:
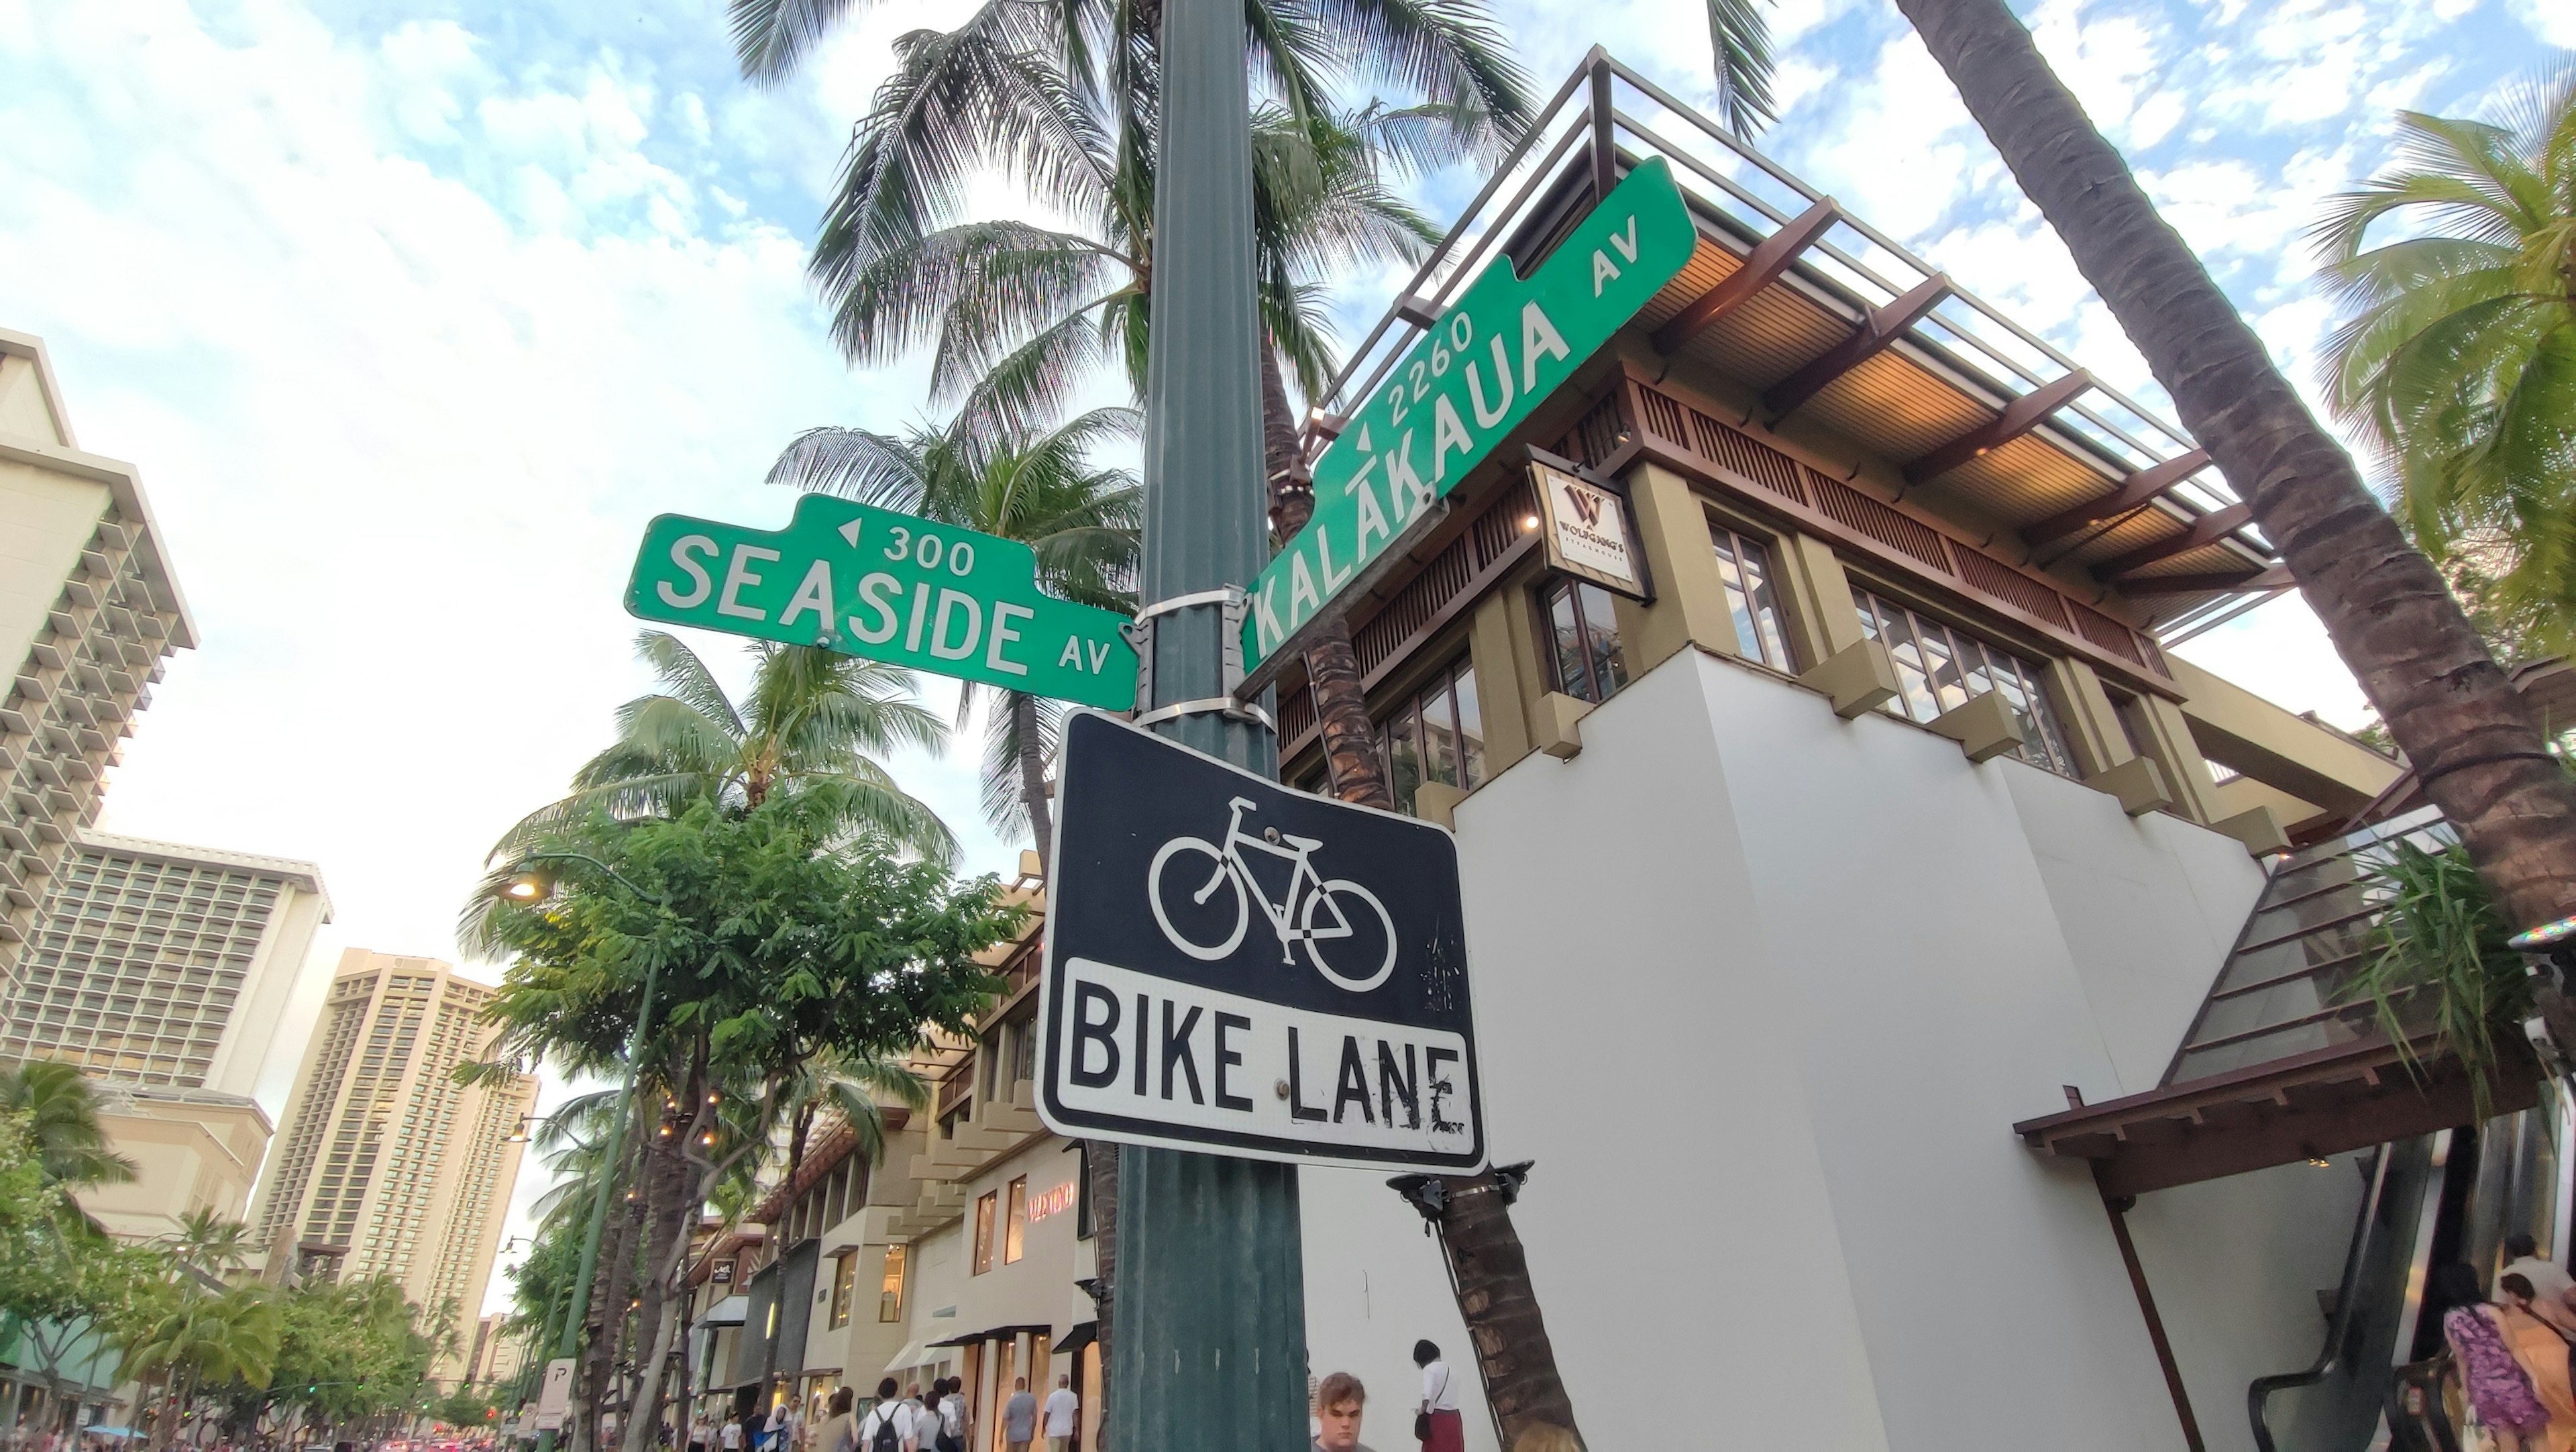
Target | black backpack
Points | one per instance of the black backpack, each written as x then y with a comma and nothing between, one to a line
885,1440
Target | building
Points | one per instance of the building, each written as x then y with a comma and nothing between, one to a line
388,1166
498,1353
89,611
1882,942
163,971
962,1253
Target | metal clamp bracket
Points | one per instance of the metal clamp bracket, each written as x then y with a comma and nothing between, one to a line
1232,605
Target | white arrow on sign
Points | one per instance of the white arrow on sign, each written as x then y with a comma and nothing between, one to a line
850,532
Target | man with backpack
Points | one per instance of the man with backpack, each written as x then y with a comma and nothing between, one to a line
888,1427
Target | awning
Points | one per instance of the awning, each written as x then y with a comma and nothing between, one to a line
1082,1335
906,1359
996,1333
727,1312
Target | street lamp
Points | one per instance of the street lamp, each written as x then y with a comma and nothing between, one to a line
527,883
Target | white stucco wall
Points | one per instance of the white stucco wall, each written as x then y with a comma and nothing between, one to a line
1763,991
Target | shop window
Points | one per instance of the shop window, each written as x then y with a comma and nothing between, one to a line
1582,627
1752,597
890,1294
1015,1230
1941,668
984,1207
845,1286
1436,734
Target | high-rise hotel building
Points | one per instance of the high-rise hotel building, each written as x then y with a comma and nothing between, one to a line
388,1166
163,972
88,614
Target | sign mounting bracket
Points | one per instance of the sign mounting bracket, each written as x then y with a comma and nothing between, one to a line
1232,604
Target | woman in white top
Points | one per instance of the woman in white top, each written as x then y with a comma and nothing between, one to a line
1437,1423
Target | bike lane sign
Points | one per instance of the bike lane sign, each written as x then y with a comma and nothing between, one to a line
1237,968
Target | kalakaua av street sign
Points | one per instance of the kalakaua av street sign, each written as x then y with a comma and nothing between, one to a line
1241,969
1495,355
870,582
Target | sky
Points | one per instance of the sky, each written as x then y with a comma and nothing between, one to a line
413,313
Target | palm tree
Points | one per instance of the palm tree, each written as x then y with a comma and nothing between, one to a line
208,1244
2458,358
2469,733
812,722
981,471
206,1340
62,1123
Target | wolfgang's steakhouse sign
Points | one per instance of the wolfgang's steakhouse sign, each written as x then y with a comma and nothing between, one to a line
1496,354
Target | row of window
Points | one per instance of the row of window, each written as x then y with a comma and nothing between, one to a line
1437,733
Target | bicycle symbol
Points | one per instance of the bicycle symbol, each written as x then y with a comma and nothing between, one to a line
1313,911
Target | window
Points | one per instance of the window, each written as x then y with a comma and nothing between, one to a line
1942,668
890,1296
1583,639
984,1232
845,1285
1015,1231
1744,563
1438,734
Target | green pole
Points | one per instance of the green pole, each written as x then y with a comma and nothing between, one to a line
1210,1294
569,1342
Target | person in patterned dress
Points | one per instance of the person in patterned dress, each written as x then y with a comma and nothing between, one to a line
2493,1379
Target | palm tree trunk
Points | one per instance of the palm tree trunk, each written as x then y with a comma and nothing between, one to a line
669,1209
1332,669
1514,1358
1024,724
2470,735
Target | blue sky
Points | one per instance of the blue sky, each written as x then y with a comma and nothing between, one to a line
413,313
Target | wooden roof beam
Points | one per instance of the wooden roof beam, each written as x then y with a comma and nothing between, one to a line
2134,492
2018,418
2209,529
1880,329
2271,579
1768,262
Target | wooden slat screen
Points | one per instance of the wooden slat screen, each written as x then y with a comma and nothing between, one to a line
2108,633
1884,523
2009,585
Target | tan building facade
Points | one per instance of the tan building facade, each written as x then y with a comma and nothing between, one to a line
89,611
388,1166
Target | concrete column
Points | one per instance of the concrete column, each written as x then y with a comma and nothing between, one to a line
2186,770
1690,596
1819,595
2084,709
1504,670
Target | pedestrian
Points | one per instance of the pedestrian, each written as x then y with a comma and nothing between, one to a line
2549,1282
2499,1392
921,1424
1339,1399
698,1432
1436,1424
1020,1416
884,1429
2533,1331
1061,1405
952,1417
840,1429
1545,1437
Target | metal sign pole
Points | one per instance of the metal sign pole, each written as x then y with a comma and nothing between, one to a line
1210,1294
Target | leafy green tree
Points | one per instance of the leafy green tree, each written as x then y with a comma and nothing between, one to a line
814,720
2458,353
777,936
67,1288
983,471
209,1245
205,1339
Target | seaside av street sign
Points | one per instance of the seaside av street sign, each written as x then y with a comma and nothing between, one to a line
1241,969
1501,349
870,582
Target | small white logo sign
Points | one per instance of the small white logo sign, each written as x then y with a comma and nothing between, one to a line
1587,529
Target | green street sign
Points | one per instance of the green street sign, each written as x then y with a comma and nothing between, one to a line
1502,348
885,586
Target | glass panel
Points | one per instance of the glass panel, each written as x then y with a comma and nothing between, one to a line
1404,757
1748,636
1016,1229
1471,729
1767,619
1947,688
890,1291
1910,673
1601,634
1868,609
1567,637
1439,737
2044,716
1974,671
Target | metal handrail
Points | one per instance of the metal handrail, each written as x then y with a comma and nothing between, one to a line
2330,1357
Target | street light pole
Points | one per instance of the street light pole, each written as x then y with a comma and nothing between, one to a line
568,1341
1210,1287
